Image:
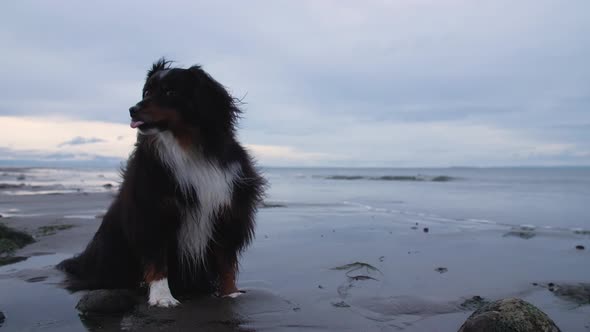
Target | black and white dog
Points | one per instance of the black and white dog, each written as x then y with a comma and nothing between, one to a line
185,209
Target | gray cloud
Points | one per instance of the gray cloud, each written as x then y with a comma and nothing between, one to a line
313,69
78,140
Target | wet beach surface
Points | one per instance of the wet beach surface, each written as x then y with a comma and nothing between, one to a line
315,266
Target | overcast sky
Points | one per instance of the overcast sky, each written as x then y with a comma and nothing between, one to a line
326,83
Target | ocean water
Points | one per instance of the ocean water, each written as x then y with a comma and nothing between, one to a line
318,219
552,198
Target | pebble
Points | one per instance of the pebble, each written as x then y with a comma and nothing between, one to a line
441,269
425,229
580,247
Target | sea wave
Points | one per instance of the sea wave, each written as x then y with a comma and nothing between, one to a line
439,178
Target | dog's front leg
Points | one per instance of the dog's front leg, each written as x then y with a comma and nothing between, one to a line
227,266
156,277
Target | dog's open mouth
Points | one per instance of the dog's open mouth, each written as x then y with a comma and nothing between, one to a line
136,124
145,125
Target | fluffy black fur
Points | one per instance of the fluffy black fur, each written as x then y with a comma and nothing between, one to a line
139,232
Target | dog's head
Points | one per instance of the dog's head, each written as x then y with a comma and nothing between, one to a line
184,101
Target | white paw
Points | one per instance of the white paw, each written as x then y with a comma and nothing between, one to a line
233,295
160,295
164,302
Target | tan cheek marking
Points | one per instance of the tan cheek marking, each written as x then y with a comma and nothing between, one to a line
158,114
182,133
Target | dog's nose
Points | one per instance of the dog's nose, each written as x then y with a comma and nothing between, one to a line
133,110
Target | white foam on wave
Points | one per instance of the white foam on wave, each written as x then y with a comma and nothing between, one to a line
79,216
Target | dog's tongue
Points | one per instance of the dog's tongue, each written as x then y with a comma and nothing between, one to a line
135,124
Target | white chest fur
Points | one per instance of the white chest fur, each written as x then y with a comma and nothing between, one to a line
213,186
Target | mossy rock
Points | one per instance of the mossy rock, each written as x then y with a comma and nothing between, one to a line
52,229
11,239
442,178
509,315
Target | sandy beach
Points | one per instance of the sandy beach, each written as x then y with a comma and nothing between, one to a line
322,266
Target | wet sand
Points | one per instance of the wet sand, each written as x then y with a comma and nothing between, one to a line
314,268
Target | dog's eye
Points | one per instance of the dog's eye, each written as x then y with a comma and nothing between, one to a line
146,93
171,93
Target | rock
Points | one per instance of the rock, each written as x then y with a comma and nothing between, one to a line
509,315
442,178
580,247
21,177
441,270
107,301
425,229
8,259
474,303
2,318
12,239
107,186
522,232
576,293
341,304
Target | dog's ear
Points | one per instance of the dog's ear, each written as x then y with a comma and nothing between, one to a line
208,85
213,95
161,64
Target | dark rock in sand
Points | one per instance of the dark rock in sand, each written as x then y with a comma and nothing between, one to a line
2,318
509,315
580,247
11,260
107,186
107,301
11,186
11,239
474,303
399,178
523,233
345,177
21,177
340,304
576,293
442,178
426,229
52,229
441,270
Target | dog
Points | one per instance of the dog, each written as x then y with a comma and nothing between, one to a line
185,210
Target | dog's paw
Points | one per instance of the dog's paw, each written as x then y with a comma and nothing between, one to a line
160,295
234,294
163,302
